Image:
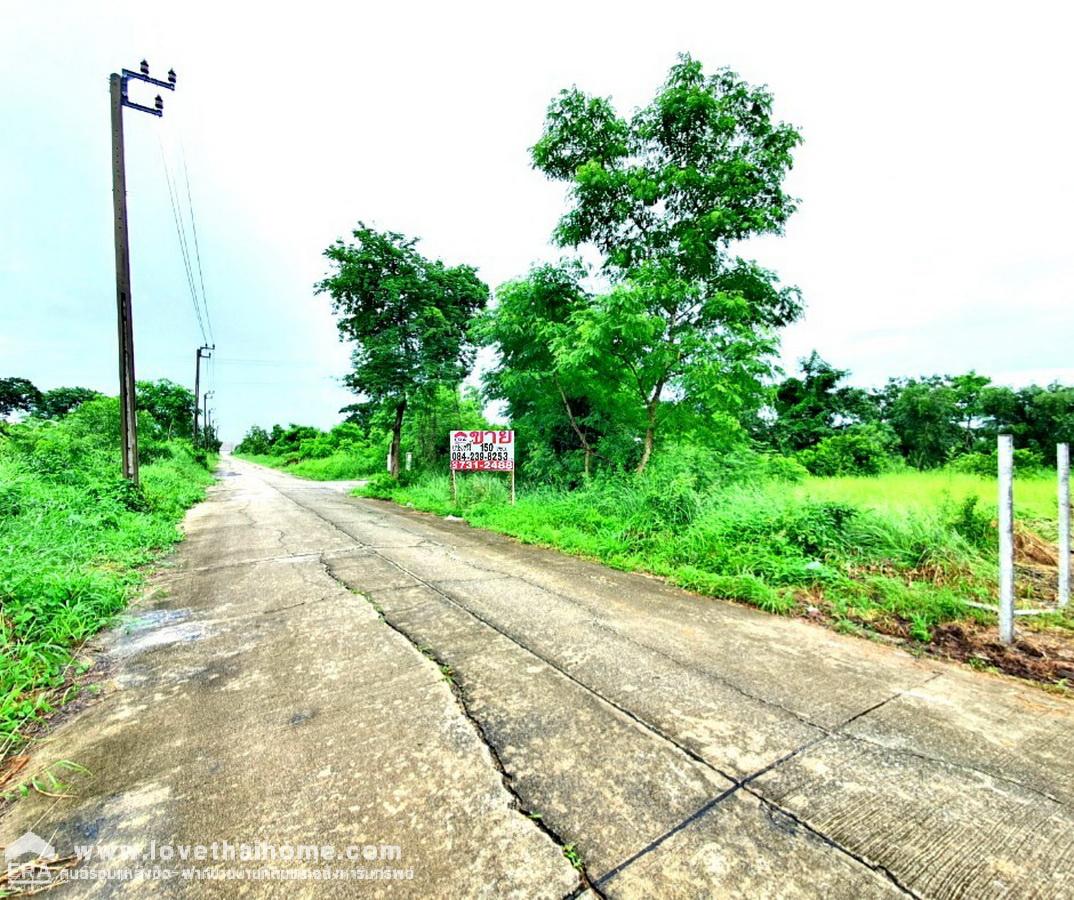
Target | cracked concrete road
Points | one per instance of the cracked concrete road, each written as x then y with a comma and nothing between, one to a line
284,682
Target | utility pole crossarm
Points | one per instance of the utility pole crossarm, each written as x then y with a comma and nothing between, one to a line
143,75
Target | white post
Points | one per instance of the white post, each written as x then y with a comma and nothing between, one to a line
1006,538
1063,465
409,460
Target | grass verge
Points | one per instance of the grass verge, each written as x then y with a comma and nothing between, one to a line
74,541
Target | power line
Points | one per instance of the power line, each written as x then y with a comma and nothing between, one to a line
265,362
197,248
180,230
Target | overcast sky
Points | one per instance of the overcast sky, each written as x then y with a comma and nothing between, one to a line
935,180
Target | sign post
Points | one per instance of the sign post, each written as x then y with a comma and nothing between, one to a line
481,451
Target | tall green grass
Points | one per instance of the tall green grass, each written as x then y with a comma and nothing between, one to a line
901,553
73,538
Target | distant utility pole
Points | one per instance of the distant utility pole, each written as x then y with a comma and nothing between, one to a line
128,406
205,413
197,381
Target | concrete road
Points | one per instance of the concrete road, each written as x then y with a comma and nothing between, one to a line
321,670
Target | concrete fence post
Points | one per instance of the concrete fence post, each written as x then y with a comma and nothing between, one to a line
1006,538
1063,465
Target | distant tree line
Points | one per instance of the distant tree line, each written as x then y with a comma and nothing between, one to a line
170,406
834,428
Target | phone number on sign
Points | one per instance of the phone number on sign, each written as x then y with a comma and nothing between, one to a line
483,465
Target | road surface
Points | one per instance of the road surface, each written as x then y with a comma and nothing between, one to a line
316,669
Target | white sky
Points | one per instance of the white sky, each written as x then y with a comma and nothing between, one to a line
935,178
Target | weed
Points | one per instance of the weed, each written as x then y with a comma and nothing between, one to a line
48,782
573,856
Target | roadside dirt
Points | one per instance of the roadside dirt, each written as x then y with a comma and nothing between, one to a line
1043,657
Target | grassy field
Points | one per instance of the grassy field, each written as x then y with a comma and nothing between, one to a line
914,491
74,538
337,467
899,553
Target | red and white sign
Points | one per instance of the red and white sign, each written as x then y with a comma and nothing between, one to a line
482,451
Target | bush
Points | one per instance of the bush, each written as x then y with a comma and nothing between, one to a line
1026,461
784,468
858,450
973,523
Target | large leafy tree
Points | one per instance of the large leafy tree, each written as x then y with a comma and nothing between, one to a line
1038,417
810,407
171,405
926,416
408,316
665,196
58,402
559,408
17,395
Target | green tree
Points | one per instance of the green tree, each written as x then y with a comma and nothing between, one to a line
17,395
866,449
58,402
171,405
434,413
1039,418
408,316
810,408
968,390
664,196
558,408
925,414
256,442
1050,417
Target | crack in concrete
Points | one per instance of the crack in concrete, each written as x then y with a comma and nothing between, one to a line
460,700
302,556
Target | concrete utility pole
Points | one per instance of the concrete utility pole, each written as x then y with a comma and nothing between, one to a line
197,382
1063,465
205,413
1006,538
127,402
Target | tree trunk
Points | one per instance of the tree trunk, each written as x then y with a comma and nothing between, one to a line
650,431
397,432
650,437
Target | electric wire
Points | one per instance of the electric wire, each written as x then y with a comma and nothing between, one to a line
180,230
278,363
197,248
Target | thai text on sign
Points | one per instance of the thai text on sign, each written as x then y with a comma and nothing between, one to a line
482,451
